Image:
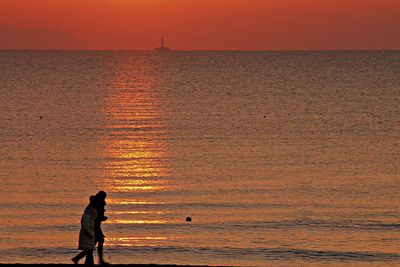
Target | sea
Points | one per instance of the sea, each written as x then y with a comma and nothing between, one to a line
278,158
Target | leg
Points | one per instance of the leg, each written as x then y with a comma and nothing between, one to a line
100,244
89,257
78,257
99,240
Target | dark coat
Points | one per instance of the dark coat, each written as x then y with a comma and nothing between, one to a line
100,207
86,234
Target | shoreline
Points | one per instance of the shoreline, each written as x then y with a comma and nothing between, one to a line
117,265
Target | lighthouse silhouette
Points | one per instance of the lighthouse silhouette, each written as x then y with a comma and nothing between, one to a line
162,47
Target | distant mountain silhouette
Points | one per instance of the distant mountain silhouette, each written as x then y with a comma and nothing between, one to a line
52,39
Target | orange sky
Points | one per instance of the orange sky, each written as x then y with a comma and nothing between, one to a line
214,24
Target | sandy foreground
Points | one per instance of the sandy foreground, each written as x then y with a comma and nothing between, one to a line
114,265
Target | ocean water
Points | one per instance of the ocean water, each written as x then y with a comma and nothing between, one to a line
280,158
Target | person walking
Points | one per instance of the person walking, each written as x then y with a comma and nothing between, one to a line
100,200
87,234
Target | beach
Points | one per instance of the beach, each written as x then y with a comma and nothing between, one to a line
117,265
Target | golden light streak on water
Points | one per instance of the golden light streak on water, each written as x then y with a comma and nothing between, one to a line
147,241
141,182
139,188
137,212
139,185
139,238
138,221
138,152
131,202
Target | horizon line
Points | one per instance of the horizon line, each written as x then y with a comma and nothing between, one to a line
200,50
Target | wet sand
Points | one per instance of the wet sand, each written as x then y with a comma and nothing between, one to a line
114,265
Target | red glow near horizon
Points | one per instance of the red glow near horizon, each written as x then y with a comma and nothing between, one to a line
213,24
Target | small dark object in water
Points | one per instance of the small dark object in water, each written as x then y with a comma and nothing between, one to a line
188,219
41,117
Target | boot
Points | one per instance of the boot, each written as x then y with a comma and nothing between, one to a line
101,259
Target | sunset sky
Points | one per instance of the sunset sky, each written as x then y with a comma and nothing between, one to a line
201,24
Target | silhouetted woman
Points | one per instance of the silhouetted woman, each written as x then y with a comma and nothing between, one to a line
87,234
98,233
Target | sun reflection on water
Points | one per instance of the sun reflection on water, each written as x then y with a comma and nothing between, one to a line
114,201
138,221
137,157
147,241
137,212
139,185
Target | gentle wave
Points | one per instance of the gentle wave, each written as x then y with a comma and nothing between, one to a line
226,252
279,253
168,224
